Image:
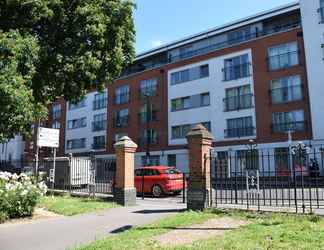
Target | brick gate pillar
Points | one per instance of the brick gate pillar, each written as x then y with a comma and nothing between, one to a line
199,186
124,191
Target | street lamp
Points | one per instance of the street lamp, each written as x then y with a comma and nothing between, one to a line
147,120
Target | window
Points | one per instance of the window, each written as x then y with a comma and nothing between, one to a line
190,74
321,11
77,123
148,114
189,102
236,67
122,94
172,160
100,101
283,56
222,164
239,127
99,122
148,136
281,159
247,159
238,98
76,143
285,121
238,36
180,132
99,142
148,87
286,89
56,125
153,160
78,105
56,110
121,118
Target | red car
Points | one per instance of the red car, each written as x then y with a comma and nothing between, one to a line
159,180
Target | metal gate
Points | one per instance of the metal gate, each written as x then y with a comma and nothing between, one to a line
268,179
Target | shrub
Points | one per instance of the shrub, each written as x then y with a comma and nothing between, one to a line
18,195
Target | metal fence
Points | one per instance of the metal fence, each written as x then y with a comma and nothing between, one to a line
283,177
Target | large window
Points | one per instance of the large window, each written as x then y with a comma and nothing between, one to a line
76,143
56,125
122,94
77,123
99,142
80,104
121,118
148,136
189,102
100,101
240,35
286,89
180,132
285,121
283,56
236,67
148,88
99,122
56,110
148,114
238,98
321,11
190,74
239,127
247,160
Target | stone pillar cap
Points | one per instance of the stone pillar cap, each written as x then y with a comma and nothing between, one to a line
125,142
200,131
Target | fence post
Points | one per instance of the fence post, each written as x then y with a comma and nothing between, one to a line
199,186
125,192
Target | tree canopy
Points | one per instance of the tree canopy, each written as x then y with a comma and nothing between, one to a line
58,48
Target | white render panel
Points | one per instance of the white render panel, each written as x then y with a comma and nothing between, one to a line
85,132
215,85
313,32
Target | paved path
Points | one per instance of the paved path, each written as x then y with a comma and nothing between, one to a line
65,232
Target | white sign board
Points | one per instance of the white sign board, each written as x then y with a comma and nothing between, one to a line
48,137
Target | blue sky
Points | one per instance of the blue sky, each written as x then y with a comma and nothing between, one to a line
163,21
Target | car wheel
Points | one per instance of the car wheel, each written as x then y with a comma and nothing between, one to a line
157,191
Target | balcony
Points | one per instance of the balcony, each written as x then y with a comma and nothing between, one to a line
321,14
142,141
289,126
236,72
121,98
239,132
100,104
283,61
147,92
99,126
286,94
145,117
238,102
121,122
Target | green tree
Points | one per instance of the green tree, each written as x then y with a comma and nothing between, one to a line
71,45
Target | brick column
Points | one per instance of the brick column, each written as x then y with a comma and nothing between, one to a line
199,186
125,192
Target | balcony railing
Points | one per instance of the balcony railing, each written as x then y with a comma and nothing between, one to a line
142,141
289,126
239,132
286,94
121,98
321,14
121,122
236,72
146,92
238,102
100,104
99,125
283,61
145,117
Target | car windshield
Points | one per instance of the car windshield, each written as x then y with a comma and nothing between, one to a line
172,171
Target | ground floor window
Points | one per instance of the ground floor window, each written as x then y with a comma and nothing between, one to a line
154,160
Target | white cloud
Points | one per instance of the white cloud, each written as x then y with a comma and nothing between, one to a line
156,43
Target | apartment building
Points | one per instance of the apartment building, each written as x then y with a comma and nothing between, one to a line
253,79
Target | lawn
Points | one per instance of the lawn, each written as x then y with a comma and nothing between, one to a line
67,205
265,231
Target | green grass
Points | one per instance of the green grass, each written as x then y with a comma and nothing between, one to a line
66,205
265,231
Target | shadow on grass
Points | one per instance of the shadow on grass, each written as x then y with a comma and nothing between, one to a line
188,228
159,211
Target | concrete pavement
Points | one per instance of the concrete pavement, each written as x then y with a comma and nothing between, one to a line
67,232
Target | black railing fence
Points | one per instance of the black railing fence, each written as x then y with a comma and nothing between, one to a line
283,177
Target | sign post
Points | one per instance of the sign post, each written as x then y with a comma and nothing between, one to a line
48,137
